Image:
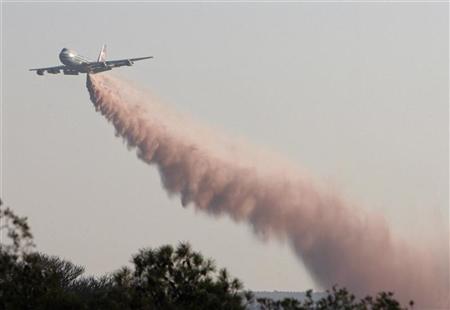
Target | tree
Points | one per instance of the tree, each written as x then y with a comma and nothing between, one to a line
168,278
17,231
163,278
336,299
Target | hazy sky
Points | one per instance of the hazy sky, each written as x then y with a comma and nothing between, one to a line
356,93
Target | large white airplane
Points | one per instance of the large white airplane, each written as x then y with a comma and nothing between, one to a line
75,64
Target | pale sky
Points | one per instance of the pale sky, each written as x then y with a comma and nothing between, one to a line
355,93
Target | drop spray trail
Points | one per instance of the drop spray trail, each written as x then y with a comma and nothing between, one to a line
338,243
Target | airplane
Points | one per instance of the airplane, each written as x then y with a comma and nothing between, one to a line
75,64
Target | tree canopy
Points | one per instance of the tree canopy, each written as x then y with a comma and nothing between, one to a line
159,278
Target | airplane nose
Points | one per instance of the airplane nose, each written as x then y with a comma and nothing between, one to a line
64,55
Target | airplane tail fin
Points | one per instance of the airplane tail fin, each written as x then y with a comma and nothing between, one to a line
102,55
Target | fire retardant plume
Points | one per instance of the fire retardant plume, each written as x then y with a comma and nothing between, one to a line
338,243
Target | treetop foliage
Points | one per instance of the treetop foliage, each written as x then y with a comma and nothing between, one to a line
159,278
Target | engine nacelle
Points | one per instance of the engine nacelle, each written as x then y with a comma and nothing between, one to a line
53,71
130,63
40,72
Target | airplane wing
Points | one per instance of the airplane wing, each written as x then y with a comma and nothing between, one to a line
125,62
115,63
55,70
52,70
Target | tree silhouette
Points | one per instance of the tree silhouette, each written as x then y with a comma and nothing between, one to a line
17,230
162,278
168,278
336,299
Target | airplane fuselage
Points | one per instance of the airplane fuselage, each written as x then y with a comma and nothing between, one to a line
77,62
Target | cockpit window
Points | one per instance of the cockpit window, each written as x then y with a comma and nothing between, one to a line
68,51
